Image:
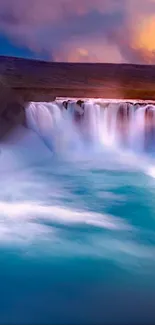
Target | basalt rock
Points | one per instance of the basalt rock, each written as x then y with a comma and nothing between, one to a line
12,109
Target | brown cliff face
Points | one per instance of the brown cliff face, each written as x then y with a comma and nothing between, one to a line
43,81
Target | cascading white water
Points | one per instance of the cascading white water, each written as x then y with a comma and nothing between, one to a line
115,125
73,214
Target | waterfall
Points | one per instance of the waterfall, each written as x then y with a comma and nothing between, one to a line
71,125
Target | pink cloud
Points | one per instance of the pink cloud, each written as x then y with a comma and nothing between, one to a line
88,50
62,27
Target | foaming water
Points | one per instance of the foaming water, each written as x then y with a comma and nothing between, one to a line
77,216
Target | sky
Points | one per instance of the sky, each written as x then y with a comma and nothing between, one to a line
113,31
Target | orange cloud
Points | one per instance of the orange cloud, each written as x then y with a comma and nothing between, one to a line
143,39
83,30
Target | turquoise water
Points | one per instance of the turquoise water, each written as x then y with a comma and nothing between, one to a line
77,235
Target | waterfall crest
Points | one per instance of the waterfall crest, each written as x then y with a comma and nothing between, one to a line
76,124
